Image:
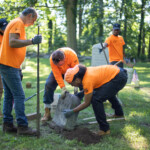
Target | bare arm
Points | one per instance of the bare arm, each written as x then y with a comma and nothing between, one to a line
15,42
86,103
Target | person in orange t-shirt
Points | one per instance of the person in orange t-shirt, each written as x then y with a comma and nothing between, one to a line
60,61
115,45
12,54
99,83
3,24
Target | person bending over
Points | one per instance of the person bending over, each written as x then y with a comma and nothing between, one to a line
99,84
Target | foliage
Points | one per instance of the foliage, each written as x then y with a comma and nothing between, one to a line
126,12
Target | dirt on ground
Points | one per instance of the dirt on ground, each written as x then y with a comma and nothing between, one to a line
83,135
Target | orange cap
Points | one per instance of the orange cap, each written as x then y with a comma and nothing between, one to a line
69,75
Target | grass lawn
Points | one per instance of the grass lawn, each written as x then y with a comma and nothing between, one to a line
134,133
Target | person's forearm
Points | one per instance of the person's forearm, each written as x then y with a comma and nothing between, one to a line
81,107
17,43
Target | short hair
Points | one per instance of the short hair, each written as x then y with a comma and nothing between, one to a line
29,10
81,72
57,56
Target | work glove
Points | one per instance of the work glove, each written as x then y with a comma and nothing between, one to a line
63,92
68,112
100,50
37,39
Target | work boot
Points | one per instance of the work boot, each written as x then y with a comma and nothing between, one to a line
9,127
47,115
25,130
101,132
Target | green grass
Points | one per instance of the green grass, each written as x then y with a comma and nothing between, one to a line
134,133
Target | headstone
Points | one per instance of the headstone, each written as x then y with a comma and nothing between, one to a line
98,58
71,101
130,74
55,102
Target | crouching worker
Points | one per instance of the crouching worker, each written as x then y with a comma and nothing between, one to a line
99,84
60,61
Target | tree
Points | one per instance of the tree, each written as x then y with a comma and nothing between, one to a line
71,13
141,26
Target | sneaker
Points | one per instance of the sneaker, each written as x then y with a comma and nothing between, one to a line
9,127
101,132
25,130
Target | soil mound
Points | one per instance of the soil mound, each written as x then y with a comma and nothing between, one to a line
82,134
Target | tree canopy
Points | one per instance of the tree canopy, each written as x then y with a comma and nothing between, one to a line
80,24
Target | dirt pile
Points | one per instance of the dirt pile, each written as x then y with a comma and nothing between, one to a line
82,134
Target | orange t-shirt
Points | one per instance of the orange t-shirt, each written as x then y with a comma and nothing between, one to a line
95,77
71,60
13,57
1,37
115,47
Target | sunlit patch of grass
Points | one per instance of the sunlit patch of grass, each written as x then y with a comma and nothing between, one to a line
135,138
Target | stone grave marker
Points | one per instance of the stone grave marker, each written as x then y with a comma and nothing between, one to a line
98,58
70,102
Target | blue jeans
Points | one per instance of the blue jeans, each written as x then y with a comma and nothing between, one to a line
108,91
13,91
50,87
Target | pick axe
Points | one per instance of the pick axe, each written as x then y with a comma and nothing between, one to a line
103,50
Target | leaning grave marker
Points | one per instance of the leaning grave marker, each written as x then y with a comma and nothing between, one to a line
98,58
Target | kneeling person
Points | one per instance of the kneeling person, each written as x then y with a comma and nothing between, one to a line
99,84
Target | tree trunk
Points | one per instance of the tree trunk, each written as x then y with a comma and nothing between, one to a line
80,22
143,39
125,25
121,11
71,7
80,17
50,26
101,11
141,27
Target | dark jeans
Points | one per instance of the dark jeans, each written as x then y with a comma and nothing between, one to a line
119,65
13,91
108,91
50,87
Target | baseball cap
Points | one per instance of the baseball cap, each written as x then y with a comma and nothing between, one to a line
116,26
69,75
3,24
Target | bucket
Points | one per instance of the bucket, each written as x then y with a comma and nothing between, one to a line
130,74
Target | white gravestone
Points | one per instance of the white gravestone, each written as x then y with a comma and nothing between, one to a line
98,58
